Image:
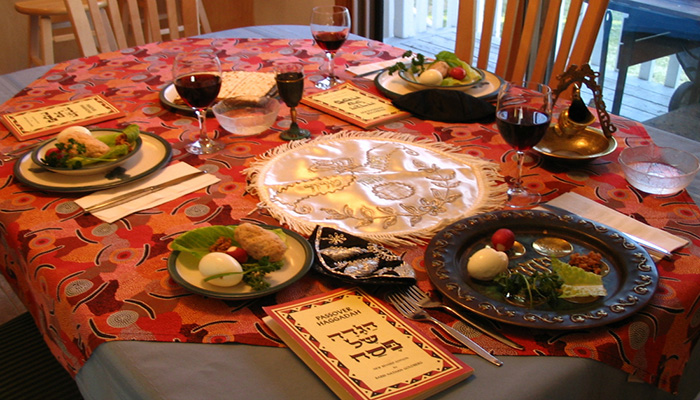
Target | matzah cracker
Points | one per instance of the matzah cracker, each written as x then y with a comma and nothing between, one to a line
243,83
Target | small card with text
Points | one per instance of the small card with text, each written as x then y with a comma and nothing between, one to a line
42,121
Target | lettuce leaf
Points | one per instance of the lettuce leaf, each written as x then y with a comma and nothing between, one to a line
577,282
198,241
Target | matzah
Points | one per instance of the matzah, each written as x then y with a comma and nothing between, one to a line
243,83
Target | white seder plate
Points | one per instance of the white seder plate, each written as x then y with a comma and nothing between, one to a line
393,86
184,270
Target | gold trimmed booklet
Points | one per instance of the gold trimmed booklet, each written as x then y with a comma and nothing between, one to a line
362,349
42,121
355,105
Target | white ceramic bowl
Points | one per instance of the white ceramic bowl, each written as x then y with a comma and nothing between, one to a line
658,170
412,81
92,169
245,116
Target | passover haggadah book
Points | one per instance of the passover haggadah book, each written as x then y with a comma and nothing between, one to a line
362,349
355,105
29,124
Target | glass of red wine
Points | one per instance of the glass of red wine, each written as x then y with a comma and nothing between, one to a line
523,114
290,86
197,79
330,26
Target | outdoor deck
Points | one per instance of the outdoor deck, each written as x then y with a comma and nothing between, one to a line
642,100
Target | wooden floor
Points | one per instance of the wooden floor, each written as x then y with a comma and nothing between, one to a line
642,100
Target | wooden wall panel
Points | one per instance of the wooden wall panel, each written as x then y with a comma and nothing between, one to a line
227,14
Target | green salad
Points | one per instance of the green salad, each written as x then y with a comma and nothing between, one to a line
76,149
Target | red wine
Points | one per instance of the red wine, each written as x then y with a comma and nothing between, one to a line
331,41
198,90
290,86
522,127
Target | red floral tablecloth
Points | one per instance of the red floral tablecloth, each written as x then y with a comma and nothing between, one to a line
87,282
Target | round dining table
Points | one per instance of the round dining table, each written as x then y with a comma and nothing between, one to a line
134,365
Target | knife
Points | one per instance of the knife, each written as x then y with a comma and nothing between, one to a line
127,197
644,243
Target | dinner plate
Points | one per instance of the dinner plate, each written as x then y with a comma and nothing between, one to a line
630,283
183,268
154,154
168,95
393,86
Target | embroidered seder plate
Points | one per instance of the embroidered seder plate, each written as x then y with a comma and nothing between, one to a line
384,187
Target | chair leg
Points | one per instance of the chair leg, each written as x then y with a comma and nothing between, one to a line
46,37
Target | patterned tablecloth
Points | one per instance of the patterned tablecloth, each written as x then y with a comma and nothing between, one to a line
87,282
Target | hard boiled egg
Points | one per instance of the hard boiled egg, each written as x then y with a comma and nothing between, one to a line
216,263
430,77
486,263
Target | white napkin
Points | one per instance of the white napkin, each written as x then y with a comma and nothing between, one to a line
589,209
177,170
377,66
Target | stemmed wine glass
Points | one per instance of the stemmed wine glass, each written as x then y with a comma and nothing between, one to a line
523,114
330,26
197,79
290,86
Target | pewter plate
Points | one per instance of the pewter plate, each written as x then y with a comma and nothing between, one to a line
630,284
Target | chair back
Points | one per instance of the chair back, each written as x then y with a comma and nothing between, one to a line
110,28
182,18
529,36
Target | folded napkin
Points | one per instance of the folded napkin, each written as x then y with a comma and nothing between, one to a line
589,209
446,106
376,67
171,172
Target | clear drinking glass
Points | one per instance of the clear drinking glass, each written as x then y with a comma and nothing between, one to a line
330,27
290,86
197,79
523,114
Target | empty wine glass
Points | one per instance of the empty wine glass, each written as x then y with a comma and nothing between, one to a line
290,86
330,26
523,114
197,79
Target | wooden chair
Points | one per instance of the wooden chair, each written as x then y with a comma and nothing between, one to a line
529,36
48,21
190,18
122,25
109,27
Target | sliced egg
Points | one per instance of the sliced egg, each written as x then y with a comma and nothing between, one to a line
486,263
216,263
430,77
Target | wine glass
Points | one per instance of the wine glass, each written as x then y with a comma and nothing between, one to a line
523,114
197,79
290,86
330,26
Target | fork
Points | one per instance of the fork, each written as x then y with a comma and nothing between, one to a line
423,299
411,311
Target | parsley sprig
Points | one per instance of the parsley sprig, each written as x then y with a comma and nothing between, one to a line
417,63
535,288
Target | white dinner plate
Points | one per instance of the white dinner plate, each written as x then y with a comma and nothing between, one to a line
154,154
393,86
184,269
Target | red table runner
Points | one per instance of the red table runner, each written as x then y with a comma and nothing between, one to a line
87,282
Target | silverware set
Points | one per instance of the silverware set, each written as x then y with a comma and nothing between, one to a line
411,303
